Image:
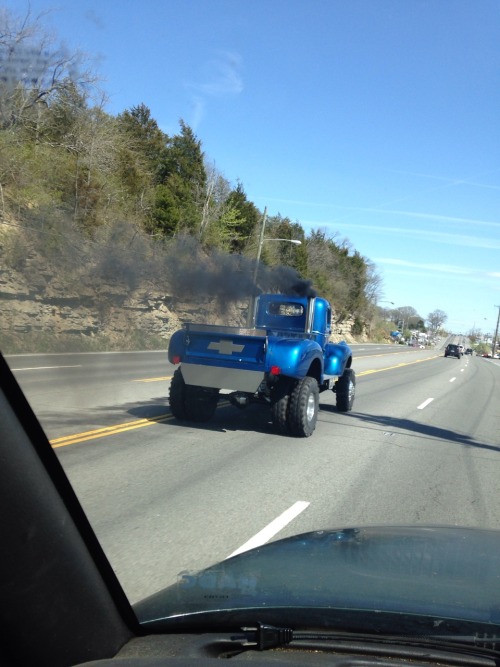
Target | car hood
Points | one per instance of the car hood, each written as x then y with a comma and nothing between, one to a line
420,572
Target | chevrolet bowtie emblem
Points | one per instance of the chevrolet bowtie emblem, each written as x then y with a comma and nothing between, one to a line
226,347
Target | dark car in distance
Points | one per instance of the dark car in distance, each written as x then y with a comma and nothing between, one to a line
452,350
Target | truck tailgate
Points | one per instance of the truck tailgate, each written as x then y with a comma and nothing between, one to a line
224,357
225,345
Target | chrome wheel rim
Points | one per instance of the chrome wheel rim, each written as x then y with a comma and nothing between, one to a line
311,407
351,391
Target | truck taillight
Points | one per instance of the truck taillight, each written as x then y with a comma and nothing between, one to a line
176,359
275,370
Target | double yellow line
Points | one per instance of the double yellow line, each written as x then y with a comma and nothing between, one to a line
113,430
140,423
108,430
390,368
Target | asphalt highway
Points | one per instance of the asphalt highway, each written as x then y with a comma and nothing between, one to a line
421,446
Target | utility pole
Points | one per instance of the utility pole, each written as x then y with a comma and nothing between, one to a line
261,243
496,334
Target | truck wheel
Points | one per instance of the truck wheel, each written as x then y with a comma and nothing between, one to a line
178,395
200,403
304,407
280,398
345,388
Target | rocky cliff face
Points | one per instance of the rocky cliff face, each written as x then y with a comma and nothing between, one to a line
81,313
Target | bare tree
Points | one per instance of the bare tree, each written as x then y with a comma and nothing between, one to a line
436,319
96,161
33,67
216,195
373,289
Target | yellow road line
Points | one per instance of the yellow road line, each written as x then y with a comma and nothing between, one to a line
108,430
140,423
384,354
167,377
114,430
389,368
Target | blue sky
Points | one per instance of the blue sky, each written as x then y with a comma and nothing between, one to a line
375,120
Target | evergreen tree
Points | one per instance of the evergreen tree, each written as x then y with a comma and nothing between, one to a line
182,176
147,144
223,232
248,214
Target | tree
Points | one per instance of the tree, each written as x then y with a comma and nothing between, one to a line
322,263
248,214
182,175
344,276
436,319
403,314
57,121
64,160
95,180
165,213
140,151
215,207
145,141
183,158
34,69
223,231
373,287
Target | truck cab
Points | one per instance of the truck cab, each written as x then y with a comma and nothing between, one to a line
280,315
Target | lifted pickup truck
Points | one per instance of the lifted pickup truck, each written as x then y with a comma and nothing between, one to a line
285,360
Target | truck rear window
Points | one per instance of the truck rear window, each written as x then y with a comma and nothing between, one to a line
286,309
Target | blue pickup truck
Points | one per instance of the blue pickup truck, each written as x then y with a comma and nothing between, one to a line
284,360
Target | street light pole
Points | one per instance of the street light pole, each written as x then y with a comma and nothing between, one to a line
261,243
496,334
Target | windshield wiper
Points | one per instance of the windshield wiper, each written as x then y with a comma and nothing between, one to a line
263,637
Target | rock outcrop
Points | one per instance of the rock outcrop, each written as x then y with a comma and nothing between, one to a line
76,312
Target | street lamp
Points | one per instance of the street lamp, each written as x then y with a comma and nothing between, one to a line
296,241
261,243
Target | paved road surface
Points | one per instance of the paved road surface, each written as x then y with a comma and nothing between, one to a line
422,446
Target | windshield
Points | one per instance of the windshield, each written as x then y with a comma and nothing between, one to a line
164,163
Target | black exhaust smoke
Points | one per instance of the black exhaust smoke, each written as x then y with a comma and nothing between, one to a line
192,272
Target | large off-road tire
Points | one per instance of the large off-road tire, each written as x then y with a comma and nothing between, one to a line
345,389
280,399
200,403
178,395
303,408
